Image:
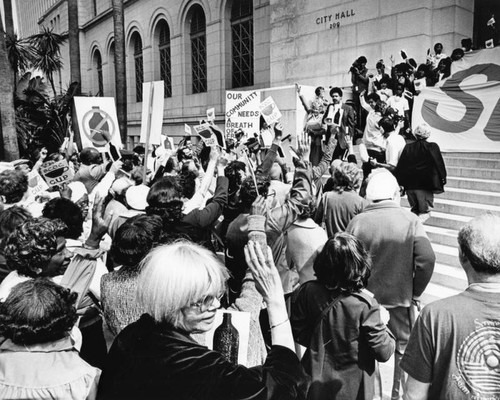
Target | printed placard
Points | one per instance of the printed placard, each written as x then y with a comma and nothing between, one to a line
234,333
36,184
211,114
206,134
56,173
187,130
242,112
98,122
270,111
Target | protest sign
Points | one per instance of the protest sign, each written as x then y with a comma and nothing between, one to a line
463,111
36,184
56,173
98,122
242,112
211,114
187,130
270,111
152,112
206,134
233,327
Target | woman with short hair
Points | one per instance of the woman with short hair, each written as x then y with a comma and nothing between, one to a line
179,288
38,358
340,323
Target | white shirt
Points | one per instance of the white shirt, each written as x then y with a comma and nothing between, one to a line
395,146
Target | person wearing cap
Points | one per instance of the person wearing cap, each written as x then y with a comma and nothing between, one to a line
402,256
422,172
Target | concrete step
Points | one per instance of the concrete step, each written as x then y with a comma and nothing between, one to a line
486,163
447,221
435,292
449,277
459,182
471,196
459,207
443,236
471,155
447,255
480,173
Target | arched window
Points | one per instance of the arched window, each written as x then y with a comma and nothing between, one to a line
198,37
111,69
165,60
97,66
242,43
138,66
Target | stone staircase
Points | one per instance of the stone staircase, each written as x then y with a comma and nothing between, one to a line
473,189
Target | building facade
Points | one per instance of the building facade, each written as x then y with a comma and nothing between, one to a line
200,48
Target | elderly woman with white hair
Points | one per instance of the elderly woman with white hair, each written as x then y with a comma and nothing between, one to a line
421,171
179,288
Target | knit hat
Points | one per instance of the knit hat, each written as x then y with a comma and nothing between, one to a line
382,185
136,197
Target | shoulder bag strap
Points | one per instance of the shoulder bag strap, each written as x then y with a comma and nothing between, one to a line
327,309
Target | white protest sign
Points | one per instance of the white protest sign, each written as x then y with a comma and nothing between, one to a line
270,111
230,335
56,173
98,122
187,130
36,184
152,111
167,142
242,112
206,134
211,114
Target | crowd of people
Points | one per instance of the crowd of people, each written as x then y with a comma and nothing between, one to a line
110,282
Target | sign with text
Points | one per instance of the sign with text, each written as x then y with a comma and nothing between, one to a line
98,122
206,134
242,112
270,111
464,110
36,184
152,111
56,173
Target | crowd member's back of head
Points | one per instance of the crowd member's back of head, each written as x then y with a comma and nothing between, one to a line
347,177
11,218
89,156
187,181
248,191
37,311
13,186
30,248
165,200
235,173
134,239
68,212
343,264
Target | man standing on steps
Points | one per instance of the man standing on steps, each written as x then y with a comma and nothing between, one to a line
454,349
402,258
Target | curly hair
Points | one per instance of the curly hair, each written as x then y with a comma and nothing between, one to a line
309,209
347,177
32,245
187,182
13,185
134,239
248,191
343,264
68,212
164,199
37,311
11,218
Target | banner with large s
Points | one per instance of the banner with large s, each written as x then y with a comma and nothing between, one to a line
463,111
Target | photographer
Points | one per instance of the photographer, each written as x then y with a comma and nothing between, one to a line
359,80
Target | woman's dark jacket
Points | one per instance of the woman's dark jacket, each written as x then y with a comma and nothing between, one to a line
421,166
342,348
149,361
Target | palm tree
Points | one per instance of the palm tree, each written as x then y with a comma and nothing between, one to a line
120,71
7,111
74,58
48,53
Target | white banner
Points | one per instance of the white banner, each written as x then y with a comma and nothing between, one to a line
152,111
464,111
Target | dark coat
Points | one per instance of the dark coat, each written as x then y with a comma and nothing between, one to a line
421,166
343,347
149,361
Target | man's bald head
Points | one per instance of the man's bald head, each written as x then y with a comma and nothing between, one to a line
479,242
90,155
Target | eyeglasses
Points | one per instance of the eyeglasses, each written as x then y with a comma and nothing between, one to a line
207,302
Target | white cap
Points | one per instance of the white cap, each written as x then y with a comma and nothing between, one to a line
382,185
